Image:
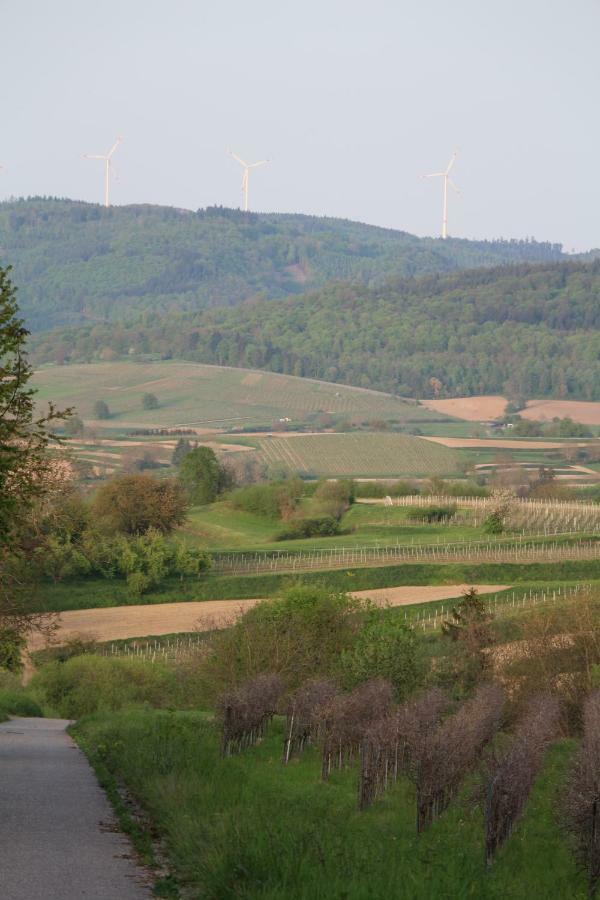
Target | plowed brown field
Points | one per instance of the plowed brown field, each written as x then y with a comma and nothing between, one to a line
118,622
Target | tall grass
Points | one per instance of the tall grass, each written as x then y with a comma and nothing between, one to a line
249,827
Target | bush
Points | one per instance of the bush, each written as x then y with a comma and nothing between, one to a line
325,526
18,703
439,513
493,524
275,500
378,489
12,644
87,684
334,497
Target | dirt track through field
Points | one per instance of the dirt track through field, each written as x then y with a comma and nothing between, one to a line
118,622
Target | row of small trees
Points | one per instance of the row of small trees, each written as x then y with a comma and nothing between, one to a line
436,751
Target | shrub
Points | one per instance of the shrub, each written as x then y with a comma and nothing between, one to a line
12,644
334,497
324,526
493,524
17,703
439,513
275,500
385,489
89,684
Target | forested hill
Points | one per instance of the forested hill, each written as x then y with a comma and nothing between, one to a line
527,331
78,263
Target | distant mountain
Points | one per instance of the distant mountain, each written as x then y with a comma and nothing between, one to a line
78,263
525,331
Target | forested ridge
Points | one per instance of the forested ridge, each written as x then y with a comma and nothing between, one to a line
527,331
78,263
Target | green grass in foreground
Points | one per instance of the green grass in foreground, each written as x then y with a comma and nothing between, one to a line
249,827
88,593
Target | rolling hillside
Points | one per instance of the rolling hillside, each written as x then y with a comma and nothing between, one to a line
211,396
77,263
522,331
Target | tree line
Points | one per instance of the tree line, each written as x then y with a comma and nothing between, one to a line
526,331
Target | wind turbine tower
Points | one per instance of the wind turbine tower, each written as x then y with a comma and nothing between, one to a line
447,181
246,175
107,165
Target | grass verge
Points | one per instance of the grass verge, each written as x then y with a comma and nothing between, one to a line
249,827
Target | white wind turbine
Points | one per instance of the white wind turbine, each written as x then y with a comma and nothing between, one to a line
447,181
246,175
107,164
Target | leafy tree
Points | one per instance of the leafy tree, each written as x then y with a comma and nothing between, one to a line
201,475
182,447
150,401
299,635
27,470
74,426
469,628
133,504
385,648
101,410
12,644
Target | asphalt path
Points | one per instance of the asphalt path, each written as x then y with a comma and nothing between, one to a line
58,835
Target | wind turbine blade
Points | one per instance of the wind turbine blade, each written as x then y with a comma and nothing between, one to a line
237,158
93,156
114,147
263,162
452,161
434,175
453,186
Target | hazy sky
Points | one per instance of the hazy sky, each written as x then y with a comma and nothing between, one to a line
351,101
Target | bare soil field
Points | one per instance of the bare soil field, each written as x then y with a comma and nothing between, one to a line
118,622
578,410
499,444
487,408
472,409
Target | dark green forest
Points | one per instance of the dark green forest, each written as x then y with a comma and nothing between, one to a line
528,331
78,263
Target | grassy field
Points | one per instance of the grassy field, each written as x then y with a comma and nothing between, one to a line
249,827
221,527
210,396
375,455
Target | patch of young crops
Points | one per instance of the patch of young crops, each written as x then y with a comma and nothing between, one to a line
360,454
